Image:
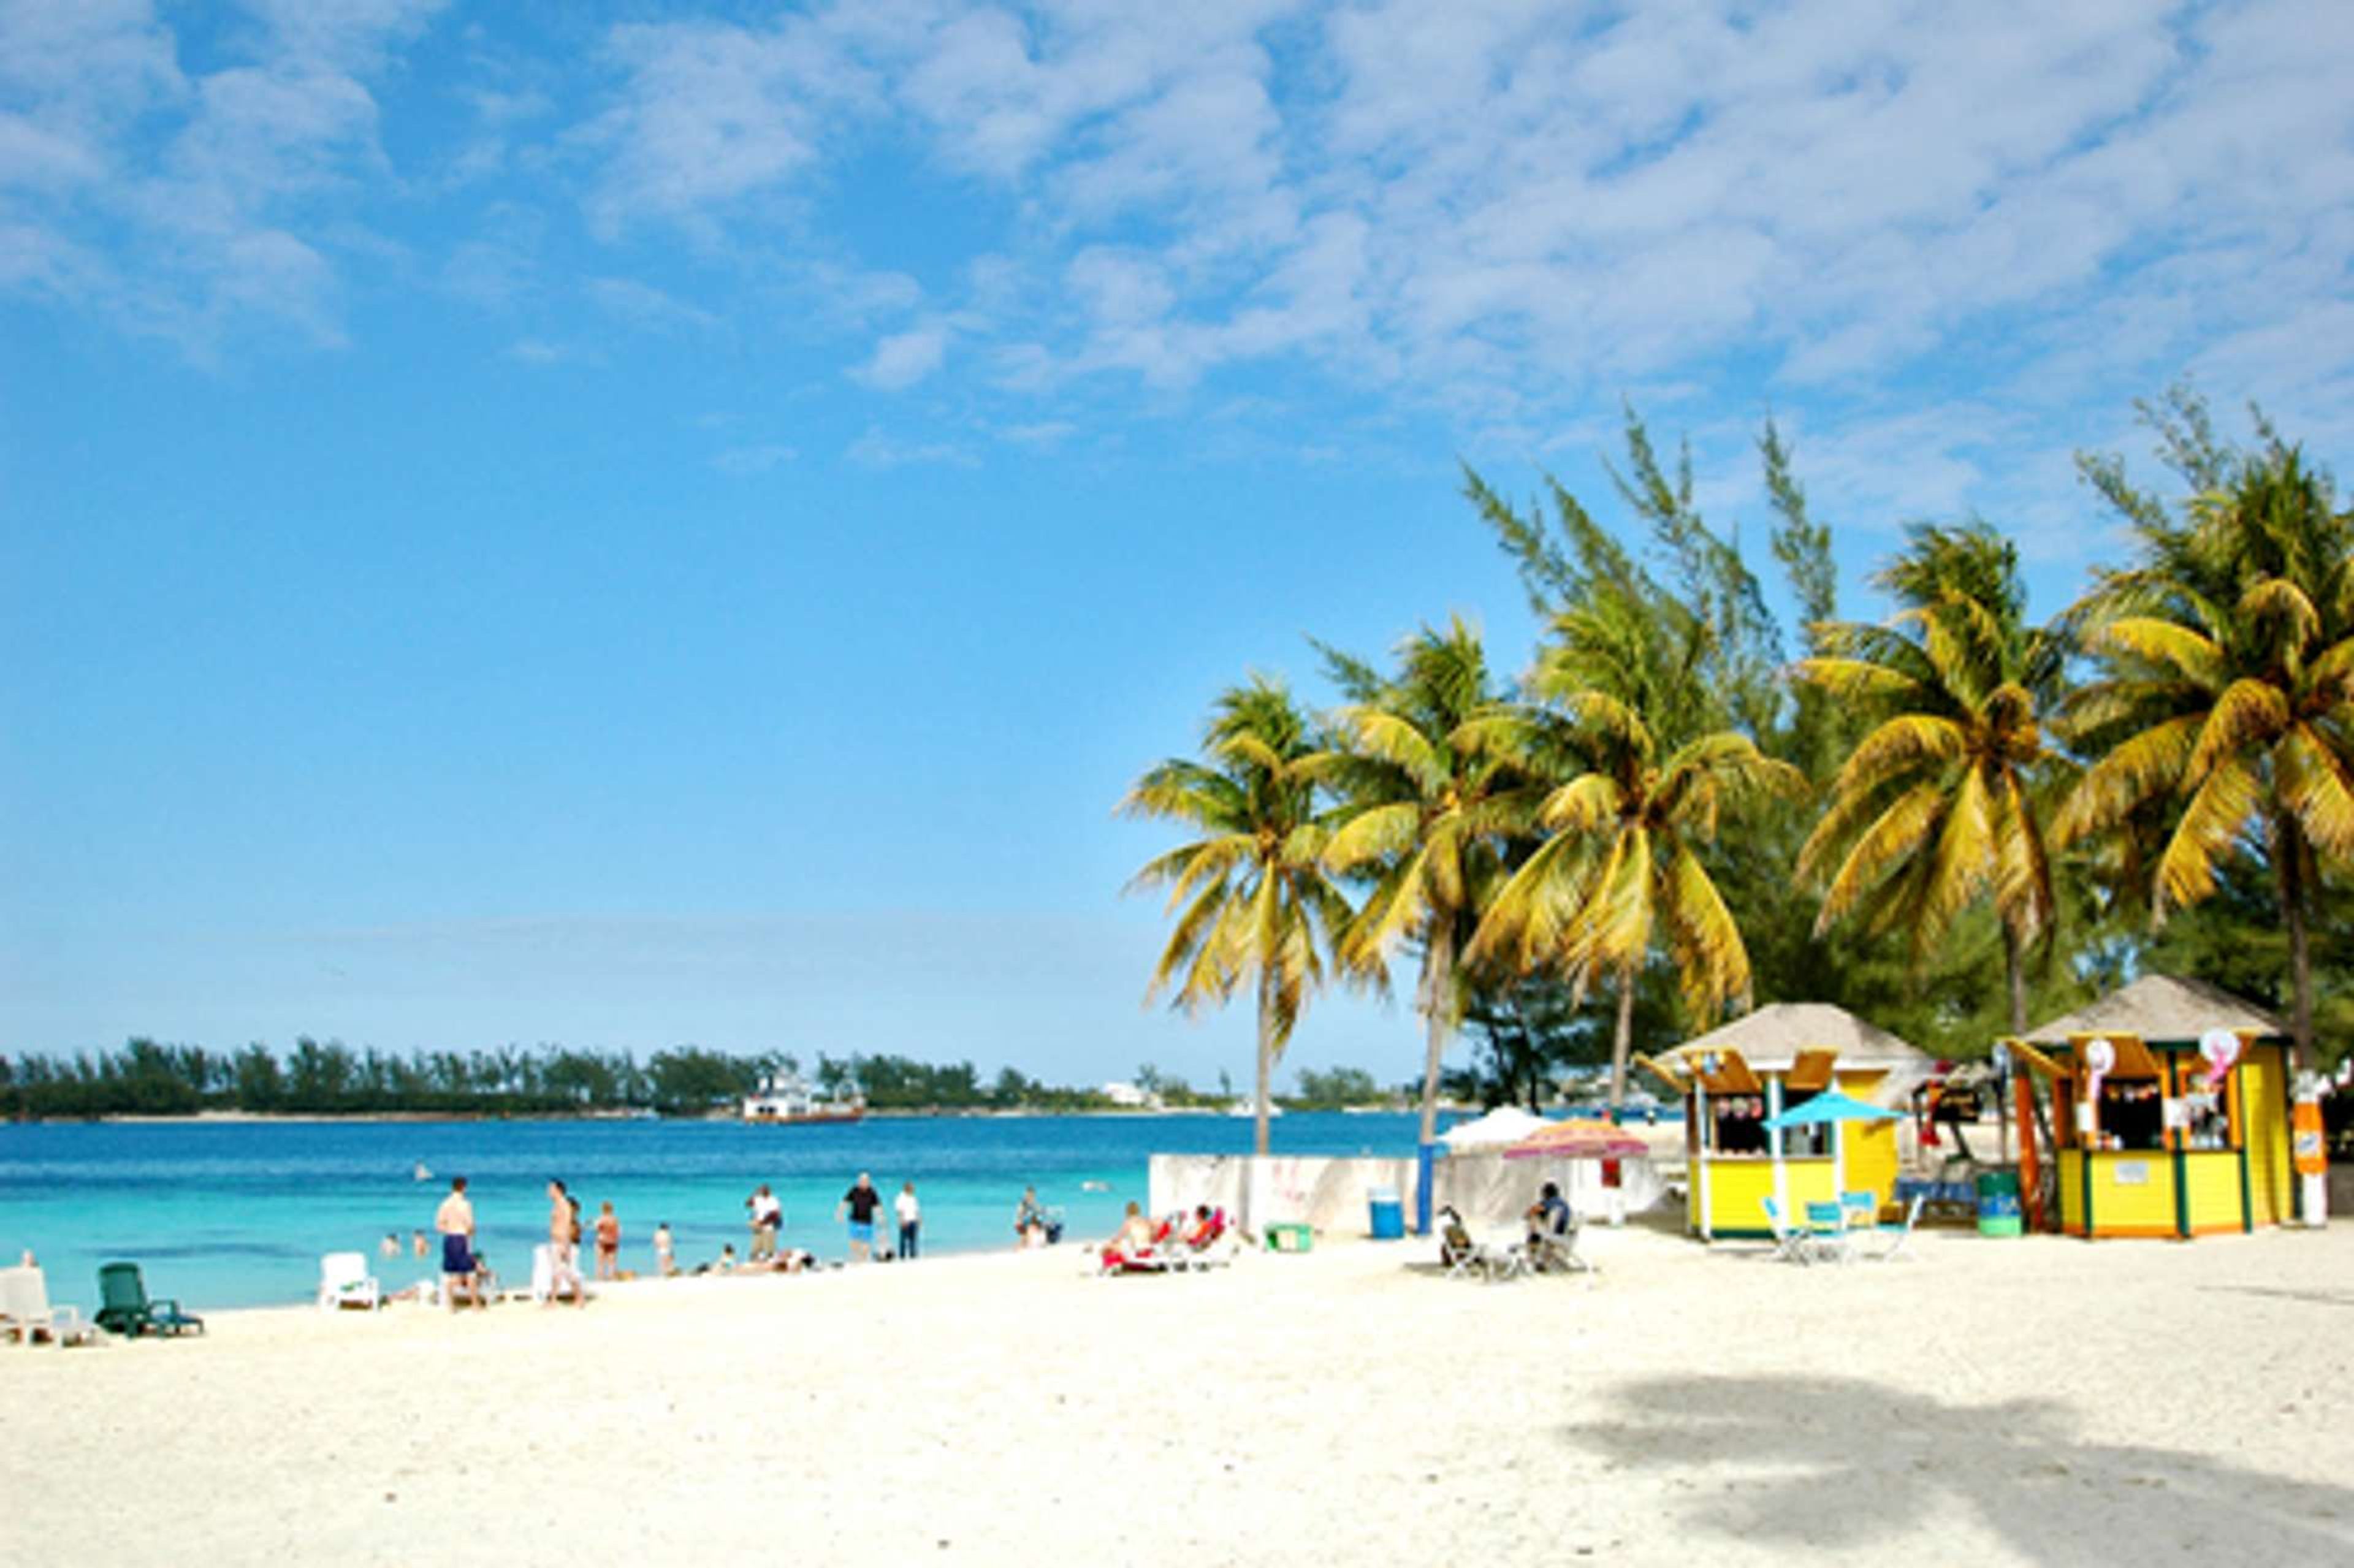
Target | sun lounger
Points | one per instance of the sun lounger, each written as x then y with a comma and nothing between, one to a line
125,1308
1118,1260
1556,1251
26,1315
1463,1257
345,1281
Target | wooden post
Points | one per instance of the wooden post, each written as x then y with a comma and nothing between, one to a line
2030,1175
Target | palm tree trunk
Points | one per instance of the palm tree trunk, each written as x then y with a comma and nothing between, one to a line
1622,1039
1437,984
1266,1058
2014,974
2288,849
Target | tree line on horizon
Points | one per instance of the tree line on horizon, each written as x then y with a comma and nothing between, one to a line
1950,822
146,1078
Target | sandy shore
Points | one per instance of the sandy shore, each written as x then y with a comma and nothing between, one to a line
2032,1401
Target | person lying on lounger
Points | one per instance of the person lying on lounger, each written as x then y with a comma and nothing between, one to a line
1455,1243
1134,1239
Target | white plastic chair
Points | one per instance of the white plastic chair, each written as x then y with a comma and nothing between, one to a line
25,1307
345,1281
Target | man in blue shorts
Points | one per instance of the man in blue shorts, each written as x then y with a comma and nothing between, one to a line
455,1220
860,1204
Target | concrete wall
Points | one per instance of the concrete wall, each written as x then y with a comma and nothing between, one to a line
1328,1194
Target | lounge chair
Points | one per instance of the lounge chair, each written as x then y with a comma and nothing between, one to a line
345,1281
1218,1248
1462,1257
1119,1259
1556,1251
26,1315
1897,1240
124,1306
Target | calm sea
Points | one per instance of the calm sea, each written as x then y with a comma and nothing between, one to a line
237,1214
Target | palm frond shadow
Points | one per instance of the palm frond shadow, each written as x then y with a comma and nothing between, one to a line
1847,1461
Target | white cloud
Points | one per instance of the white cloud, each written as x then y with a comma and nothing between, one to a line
876,449
712,114
539,351
644,305
742,463
1045,433
902,359
200,187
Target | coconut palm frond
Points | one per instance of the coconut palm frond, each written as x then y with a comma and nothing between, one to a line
2206,835
1711,959
2250,713
1374,832
1899,744
2146,765
1393,739
1859,680
2186,648
1896,835
2315,781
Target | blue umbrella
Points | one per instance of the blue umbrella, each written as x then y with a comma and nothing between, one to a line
1828,1107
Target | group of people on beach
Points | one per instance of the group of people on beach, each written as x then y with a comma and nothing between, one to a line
466,1275
858,1208
466,1278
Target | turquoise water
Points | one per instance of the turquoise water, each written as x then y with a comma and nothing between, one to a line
237,1214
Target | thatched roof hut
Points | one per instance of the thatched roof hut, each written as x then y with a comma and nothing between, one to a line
1772,1035
2160,1007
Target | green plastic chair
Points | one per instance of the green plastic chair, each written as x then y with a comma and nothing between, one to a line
126,1309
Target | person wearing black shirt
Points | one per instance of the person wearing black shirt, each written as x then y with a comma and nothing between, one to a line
860,1204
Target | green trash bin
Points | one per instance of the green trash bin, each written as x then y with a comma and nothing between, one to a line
1999,1203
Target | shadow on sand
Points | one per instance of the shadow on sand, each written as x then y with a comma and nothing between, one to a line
1848,1463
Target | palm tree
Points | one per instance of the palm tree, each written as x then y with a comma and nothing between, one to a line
1936,806
1642,781
2228,695
1251,896
1425,794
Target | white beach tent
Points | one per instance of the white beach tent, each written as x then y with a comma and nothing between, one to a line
1505,1124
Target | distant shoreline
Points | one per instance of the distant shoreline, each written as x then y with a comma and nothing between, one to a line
928,1113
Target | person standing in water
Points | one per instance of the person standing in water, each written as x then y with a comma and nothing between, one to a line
768,1218
860,1204
911,1220
455,1221
563,1258
608,1241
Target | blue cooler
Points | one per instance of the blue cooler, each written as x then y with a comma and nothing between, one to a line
1387,1213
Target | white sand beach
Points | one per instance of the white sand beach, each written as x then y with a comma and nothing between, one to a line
2031,1402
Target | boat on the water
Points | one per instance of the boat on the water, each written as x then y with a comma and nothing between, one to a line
785,1098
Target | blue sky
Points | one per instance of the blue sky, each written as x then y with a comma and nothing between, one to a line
639,524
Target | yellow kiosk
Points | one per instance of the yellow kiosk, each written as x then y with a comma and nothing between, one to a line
1732,1079
2169,1112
